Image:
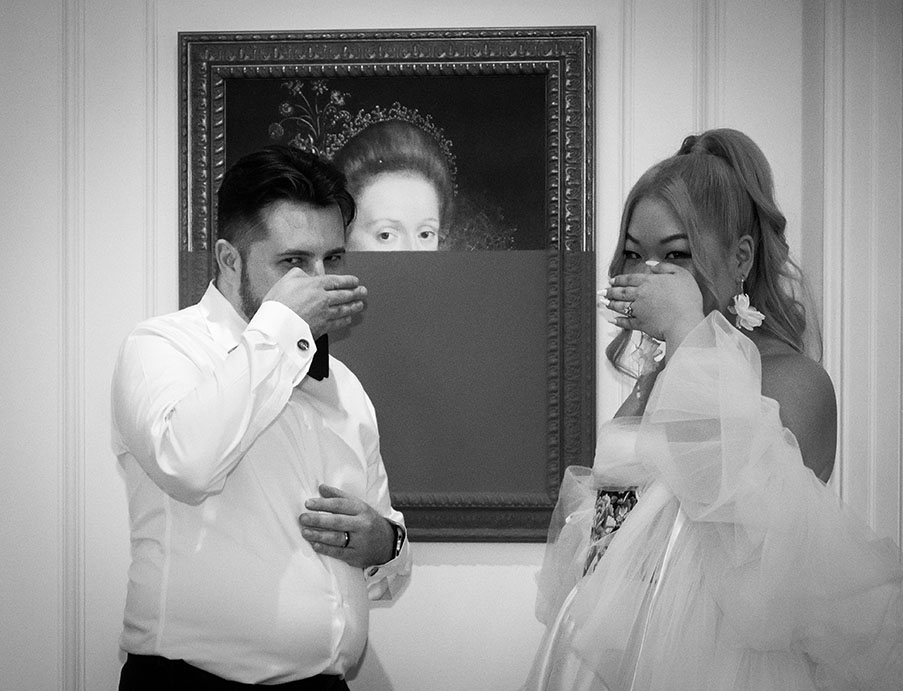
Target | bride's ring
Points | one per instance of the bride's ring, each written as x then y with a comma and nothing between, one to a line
628,312
347,539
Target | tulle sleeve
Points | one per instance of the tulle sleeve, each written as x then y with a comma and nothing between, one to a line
786,563
702,426
569,533
572,548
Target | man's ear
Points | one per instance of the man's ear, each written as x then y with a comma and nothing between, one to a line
228,259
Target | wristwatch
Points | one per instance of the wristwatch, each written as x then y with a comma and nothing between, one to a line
399,538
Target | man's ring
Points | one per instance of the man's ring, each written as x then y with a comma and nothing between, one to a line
628,312
347,539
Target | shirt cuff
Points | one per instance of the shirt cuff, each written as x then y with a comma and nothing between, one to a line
289,331
381,578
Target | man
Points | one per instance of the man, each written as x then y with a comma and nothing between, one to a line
259,504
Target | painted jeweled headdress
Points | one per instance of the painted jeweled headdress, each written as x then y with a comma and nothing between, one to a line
396,112
314,118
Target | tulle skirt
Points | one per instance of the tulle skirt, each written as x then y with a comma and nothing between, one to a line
736,570
655,615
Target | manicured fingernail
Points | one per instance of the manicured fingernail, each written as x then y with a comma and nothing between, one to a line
652,262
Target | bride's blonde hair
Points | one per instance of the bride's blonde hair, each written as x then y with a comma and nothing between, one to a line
720,183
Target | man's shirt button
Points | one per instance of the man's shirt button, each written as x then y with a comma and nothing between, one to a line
303,344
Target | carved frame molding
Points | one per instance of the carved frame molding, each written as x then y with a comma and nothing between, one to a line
565,56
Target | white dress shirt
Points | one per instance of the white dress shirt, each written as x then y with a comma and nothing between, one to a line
222,438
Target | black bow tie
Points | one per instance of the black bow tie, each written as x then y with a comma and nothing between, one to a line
319,366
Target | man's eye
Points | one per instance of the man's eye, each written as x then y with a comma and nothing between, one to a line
335,258
427,234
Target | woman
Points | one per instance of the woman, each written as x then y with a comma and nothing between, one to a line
401,174
735,568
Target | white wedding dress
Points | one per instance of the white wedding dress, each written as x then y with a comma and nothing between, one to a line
736,570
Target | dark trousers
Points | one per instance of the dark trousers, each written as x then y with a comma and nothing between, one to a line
151,673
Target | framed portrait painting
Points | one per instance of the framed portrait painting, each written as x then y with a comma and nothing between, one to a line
469,154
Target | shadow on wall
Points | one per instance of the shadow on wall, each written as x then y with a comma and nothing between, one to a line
376,676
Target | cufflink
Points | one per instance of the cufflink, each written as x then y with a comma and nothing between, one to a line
303,344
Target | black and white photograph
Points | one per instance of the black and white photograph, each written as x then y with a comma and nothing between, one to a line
432,345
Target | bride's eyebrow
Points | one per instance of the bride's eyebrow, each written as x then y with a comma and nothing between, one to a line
664,241
673,238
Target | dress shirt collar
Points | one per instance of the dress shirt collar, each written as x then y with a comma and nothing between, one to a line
225,323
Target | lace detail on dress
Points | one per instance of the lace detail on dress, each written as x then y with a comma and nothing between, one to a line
611,509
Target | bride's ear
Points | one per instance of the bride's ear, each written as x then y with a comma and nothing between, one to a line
746,254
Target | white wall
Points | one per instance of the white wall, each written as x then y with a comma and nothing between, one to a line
88,183
34,431
863,137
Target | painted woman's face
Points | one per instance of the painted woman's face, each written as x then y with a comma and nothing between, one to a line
395,212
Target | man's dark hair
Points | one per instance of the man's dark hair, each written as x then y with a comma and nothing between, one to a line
273,174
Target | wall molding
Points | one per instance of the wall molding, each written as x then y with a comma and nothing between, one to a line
612,387
151,240
628,79
833,214
863,189
71,666
709,67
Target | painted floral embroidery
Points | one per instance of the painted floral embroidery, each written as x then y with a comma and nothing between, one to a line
611,510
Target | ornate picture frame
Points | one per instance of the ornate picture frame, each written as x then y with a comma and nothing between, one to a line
476,434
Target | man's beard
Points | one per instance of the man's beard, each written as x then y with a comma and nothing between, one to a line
250,303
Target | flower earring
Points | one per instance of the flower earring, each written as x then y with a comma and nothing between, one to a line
748,317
